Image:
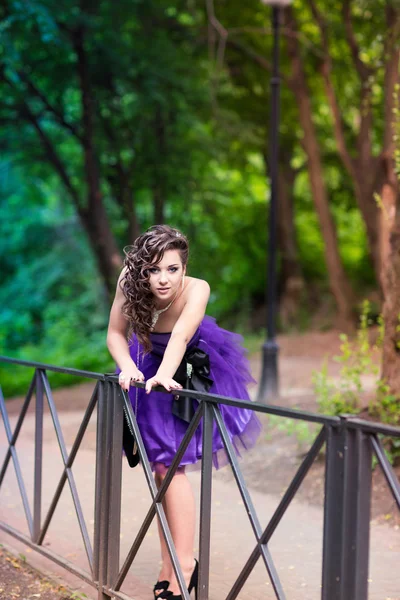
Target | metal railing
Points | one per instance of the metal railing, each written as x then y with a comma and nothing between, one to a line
350,444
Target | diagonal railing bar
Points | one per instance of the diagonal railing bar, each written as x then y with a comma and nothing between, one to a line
67,470
294,485
179,454
71,458
386,467
153,491
354,498
159,496
59,560
54,416
279,512
18,426
250,509
17,467
160,493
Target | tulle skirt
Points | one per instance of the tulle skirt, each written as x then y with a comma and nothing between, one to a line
162,431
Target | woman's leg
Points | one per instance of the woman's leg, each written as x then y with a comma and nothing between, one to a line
179,506
166,566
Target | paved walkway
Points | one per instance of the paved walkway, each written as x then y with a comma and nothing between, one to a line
296,545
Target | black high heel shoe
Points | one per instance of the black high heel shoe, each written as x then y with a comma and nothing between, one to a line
192,584
161,586
194,580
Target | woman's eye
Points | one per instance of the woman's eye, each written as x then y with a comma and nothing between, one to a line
173,269
153,270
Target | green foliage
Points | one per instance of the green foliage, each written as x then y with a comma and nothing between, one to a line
342,394
170,120
386,405
253,341
77,596
54,309
386,408
303,431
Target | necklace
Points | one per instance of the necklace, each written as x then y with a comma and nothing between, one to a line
157,313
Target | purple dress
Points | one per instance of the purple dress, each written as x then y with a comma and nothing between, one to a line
162,431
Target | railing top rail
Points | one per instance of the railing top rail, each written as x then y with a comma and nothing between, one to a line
271,409
291,413
46,367
372,426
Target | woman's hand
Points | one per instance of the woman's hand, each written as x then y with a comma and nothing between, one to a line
167,382
128,375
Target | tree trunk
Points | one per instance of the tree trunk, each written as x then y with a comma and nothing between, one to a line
96,225
390,229
120,180
94,215
361,165
391,310
362,170
387,215
338,281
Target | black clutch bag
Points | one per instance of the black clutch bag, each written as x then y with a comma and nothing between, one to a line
129,442
193,374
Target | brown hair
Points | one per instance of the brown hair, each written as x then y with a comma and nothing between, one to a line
148,249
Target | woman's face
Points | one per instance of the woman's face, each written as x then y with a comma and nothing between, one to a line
166,276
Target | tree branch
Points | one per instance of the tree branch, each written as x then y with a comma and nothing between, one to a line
225,35
50,150
363,70
392,78
326,69
52,156
90,157
260,60
39,94
322,27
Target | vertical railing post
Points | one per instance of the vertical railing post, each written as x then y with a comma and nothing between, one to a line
38,467
115,466
205,503
333,514
357,514
108,487
100,549
347,514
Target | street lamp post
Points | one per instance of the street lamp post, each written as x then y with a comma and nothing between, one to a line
269,385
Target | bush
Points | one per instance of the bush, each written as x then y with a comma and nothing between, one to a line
345,395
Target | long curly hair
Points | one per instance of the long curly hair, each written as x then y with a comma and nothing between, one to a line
147,250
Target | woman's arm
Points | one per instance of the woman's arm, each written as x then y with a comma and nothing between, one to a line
182,333
116,338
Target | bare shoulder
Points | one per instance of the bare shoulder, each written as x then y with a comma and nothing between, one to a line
197,287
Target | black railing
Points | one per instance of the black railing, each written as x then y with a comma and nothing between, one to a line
350,444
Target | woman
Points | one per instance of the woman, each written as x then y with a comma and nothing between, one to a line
165,310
